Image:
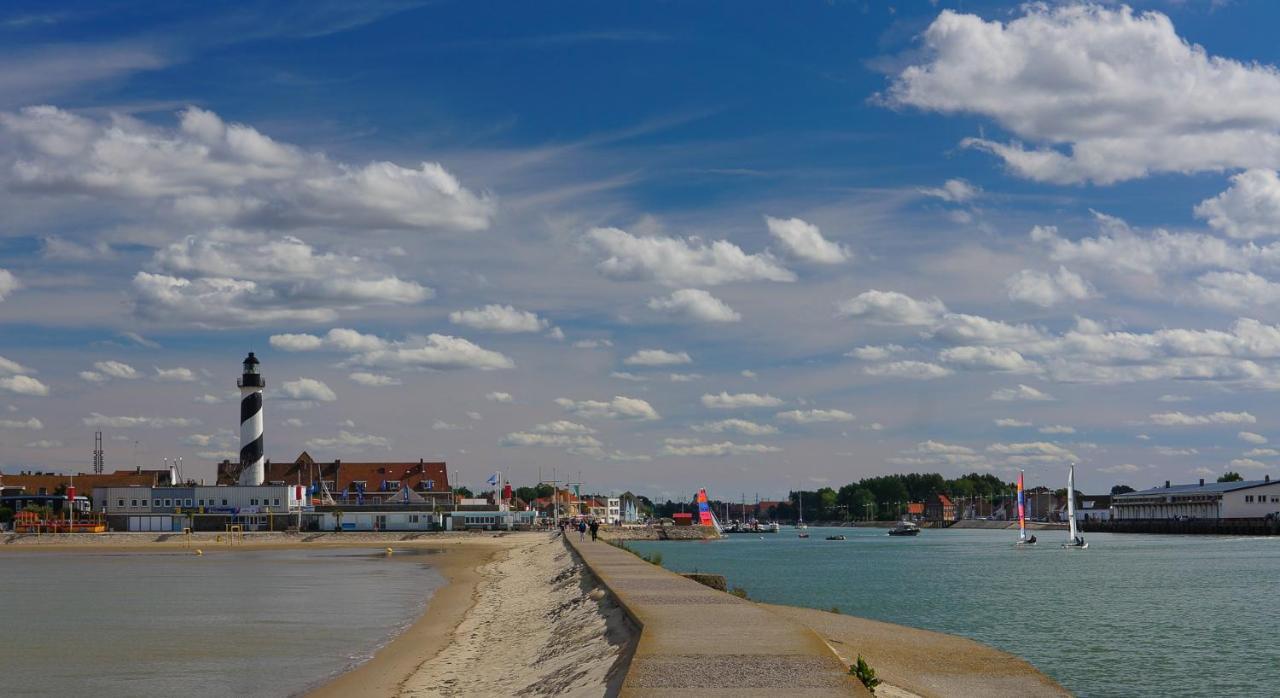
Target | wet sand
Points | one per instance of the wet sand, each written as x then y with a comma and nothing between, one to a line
386,673
914,662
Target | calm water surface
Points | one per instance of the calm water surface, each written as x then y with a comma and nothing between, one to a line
254,623
1133,615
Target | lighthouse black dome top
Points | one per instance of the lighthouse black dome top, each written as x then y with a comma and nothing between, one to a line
251,377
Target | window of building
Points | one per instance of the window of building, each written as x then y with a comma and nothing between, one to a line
224,502
413,518
431,485
253,502
1248,498
188,502
120,503
133,502
276,501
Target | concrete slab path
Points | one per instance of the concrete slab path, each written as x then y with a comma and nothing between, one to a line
693,638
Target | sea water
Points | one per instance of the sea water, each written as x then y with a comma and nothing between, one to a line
228,623
1133,615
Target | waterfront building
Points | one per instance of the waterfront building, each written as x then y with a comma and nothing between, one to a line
940,508
1246,499
1093,507
360,482
46,483
169,508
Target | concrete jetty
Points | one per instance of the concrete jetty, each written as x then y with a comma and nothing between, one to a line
754,653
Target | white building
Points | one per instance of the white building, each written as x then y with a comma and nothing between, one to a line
1093,507
613,506
200,499
1247,499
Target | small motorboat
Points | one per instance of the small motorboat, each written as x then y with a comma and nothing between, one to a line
836,538
904,528
802,535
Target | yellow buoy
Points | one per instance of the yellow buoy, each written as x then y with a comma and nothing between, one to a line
388,552
199,551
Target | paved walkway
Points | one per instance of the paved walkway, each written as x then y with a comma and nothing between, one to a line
696,638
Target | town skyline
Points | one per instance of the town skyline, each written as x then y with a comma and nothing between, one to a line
735,265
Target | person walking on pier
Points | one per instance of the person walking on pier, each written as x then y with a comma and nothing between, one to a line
595,526
582,530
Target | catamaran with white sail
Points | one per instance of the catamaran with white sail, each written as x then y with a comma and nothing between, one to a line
1076,540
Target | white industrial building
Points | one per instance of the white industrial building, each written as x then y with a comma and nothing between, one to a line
1247,499
171,508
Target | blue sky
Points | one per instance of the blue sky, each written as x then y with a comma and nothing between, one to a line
743,245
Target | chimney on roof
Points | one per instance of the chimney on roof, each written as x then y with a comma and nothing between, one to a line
1166,484
1202,482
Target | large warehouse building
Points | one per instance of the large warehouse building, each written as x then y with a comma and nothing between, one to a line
1246,499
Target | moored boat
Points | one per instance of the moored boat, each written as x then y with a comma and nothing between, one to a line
904,528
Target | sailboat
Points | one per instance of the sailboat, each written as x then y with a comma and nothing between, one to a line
1076,540
1022,516
800,524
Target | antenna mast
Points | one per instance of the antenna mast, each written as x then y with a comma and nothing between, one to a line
97,453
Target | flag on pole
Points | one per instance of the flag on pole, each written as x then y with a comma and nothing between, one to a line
493,479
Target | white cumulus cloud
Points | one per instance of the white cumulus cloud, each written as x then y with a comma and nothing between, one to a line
373,380
737,426
1047,290
658,357
814,416
1181,419
914,370
803,240
695,304
682,262
734,401
499,318
1103,93
308,389
620,407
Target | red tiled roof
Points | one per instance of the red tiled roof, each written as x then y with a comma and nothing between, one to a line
342,475
32,484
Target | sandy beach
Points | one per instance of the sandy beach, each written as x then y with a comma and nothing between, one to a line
519,616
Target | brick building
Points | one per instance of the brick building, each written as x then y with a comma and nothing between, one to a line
371,483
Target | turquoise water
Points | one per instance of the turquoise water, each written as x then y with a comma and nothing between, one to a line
253,623
1133,615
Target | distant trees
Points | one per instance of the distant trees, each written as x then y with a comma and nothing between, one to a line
1121,489
1230,476
538,491
463,492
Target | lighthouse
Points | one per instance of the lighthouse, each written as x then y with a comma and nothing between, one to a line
252,463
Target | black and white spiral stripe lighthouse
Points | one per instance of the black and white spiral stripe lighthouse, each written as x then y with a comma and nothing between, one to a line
252,461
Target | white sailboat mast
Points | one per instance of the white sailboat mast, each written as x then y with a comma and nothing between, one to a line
1071,501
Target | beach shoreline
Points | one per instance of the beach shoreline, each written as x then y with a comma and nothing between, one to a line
431,632
461,635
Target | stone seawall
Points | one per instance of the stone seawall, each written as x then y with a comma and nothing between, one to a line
658,533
